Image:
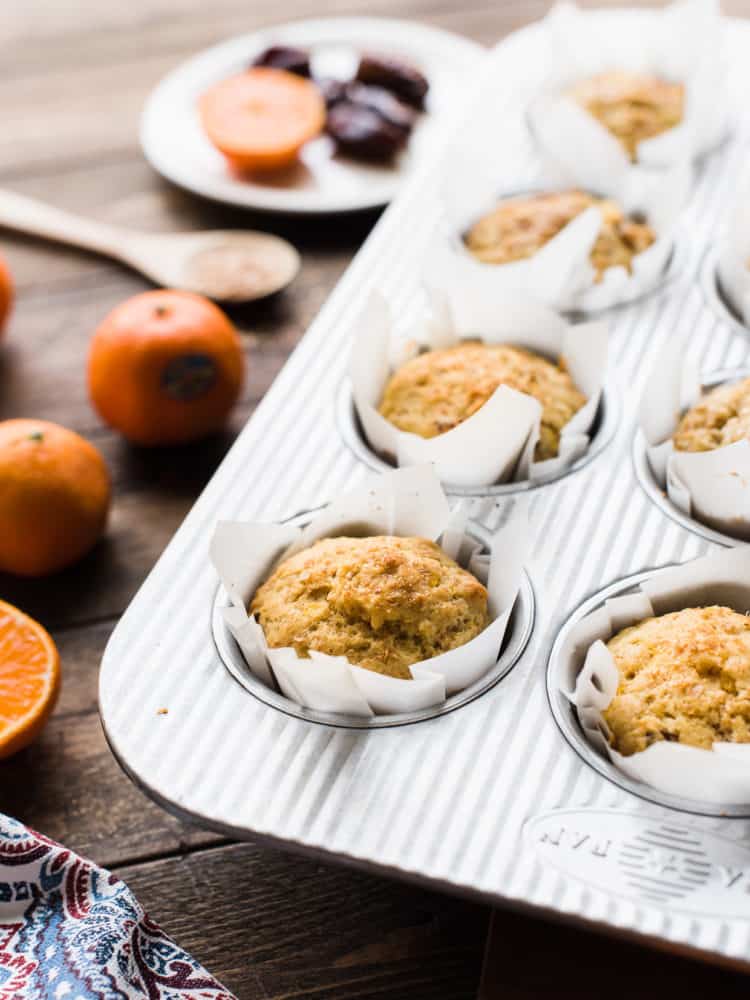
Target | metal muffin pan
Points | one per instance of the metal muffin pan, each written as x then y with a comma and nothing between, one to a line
489,799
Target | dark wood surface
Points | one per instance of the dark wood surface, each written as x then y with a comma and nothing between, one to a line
73,77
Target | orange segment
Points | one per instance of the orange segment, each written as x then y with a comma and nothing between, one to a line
29,679
261,118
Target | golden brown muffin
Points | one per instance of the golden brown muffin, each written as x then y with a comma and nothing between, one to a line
722,416
438,390
632,106
684,677
517,228
384,602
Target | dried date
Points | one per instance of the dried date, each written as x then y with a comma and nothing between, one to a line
362,132
332,90
399,77
285,57
385,103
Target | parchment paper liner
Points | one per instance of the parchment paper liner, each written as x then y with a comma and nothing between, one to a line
560,274
733,265
496,444
683,42
590,678
403,502
711,486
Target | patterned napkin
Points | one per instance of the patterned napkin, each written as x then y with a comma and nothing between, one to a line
72,931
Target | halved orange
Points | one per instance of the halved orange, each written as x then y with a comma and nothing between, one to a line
261,118
29,679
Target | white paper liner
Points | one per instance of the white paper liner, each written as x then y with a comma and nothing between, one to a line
733,265
560,274
407,502
496,444
683,42
711,486
589,678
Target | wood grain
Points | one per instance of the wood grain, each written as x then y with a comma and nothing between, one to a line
292,928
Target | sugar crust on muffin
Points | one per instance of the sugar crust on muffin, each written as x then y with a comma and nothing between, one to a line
519,227
437,390
684,677
385,602
720,417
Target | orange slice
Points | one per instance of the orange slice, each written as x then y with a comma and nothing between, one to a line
29,679
261,118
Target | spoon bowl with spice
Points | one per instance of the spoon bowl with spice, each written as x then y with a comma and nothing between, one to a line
226,265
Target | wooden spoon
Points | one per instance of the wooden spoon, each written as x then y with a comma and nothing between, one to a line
228,265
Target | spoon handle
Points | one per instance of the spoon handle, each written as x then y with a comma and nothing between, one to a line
27,215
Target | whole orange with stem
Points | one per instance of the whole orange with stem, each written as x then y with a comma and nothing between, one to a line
29,679
54,497
6,293
165,367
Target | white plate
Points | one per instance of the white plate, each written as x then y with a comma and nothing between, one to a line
175,145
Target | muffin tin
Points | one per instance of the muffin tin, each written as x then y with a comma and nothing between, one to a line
495,794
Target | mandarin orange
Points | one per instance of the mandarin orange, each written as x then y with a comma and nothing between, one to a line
54,497
165,367
6,293
29,679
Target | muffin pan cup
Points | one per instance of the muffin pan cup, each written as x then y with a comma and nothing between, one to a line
710,488
560,273
716,296
597,616
602,428
496,792
589,678
496,444
580,46
407,502
515,637
732,279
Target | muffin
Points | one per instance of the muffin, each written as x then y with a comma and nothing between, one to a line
684,677
632,106
384,602
722,416
517,228
438,390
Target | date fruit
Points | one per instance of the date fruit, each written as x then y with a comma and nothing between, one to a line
383,101
285,57
362,132
395,75
332,90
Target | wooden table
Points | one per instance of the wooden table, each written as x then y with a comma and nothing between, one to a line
74,76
